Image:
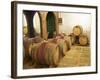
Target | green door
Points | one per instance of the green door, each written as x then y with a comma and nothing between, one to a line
50,24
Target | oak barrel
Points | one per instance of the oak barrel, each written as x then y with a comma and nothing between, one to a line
77,30
83,40
63,46
45,53
27,42
72,37
68,42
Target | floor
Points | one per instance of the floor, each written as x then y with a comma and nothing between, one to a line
77,56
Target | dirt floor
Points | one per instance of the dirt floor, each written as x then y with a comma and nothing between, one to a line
76,56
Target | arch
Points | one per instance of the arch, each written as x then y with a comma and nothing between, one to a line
50,20
30,25
37,24
25,29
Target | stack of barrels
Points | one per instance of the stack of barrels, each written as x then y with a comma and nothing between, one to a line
27,44
63,41
78,37
46,52
41,52
62,44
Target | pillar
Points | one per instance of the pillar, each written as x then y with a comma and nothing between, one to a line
29,18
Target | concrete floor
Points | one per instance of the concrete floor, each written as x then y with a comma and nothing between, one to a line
76,56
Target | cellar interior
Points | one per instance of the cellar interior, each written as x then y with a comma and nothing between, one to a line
56,39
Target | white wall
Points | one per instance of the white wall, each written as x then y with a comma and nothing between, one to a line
36,22
69,20
5,41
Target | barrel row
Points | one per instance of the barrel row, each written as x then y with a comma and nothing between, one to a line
78,37
46,52
64,43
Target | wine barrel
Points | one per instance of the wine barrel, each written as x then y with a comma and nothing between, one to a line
27,42
52,54
61,35
83,40
62,45
77,30
38,39
68,42
66,38
45,53
72,37
33,51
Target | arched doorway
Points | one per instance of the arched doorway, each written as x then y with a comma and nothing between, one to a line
37,24
25,28
50,24
33,19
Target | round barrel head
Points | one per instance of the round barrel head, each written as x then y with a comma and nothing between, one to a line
77,30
